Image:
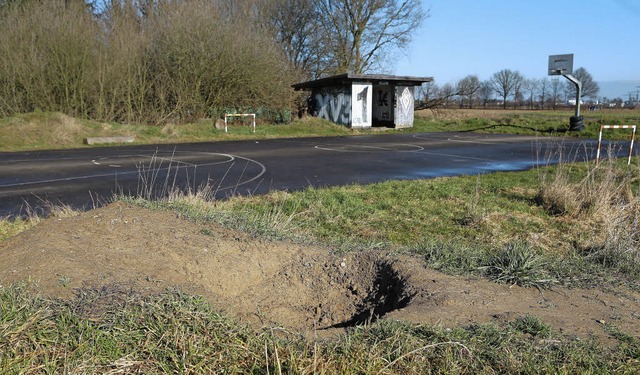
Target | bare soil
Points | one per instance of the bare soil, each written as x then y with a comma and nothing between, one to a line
274,283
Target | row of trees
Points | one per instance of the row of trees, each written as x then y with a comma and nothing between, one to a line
509,86
153,61
325,37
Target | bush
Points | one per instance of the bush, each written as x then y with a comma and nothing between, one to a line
173,63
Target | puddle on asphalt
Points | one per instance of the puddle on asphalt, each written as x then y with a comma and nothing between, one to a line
482,168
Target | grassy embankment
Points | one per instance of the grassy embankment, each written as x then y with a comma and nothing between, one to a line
571,225
41,131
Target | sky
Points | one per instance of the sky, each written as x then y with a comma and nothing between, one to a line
481,37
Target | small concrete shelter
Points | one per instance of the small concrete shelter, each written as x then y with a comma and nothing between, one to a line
364,100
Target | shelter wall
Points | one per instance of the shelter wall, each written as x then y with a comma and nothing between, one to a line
361,108
333,104
404,106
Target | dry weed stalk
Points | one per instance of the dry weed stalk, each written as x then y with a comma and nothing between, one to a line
602,201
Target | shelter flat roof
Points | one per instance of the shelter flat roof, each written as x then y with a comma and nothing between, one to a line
348,78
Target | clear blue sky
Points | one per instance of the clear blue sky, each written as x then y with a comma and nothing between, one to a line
481,37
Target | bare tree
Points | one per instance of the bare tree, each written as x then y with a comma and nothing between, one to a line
590,88
427,91
555,92
531,86
438,97
506,82
357,34
468,88
518,92
296,29
446,93
485,93
543,90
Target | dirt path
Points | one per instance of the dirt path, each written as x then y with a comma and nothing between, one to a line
270,283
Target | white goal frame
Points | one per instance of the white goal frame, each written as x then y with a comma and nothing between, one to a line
253,115
633,137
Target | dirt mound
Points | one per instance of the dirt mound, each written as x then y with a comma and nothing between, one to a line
281,283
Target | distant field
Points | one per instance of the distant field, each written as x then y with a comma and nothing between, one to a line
458,114
529,122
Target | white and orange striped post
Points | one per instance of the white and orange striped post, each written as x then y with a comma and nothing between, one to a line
240,115
633,137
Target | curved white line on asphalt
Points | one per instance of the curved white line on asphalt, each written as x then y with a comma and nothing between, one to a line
262,172
231,159
370,147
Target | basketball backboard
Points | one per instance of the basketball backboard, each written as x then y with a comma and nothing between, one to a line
560,64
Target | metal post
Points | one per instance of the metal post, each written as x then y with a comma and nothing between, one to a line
578,98
254,122
576,121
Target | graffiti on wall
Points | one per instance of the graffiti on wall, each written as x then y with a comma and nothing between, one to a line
404,106
334,105
383,98
361,105
383,101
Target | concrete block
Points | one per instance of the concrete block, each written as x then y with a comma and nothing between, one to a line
100,140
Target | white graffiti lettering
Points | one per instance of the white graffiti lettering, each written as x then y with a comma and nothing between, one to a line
334,106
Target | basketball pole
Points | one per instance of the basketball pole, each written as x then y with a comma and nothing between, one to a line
578,85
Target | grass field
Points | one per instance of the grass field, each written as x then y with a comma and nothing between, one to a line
574,225
40,130
528,122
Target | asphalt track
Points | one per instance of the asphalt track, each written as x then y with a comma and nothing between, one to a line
86,178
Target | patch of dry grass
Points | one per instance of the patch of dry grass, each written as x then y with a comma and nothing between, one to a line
603,209
11,226
37,129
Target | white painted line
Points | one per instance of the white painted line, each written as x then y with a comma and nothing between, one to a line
475,142
457,140
230,159
368,148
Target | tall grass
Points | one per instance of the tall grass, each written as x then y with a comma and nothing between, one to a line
604,201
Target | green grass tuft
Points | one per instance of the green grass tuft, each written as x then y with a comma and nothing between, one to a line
518,264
